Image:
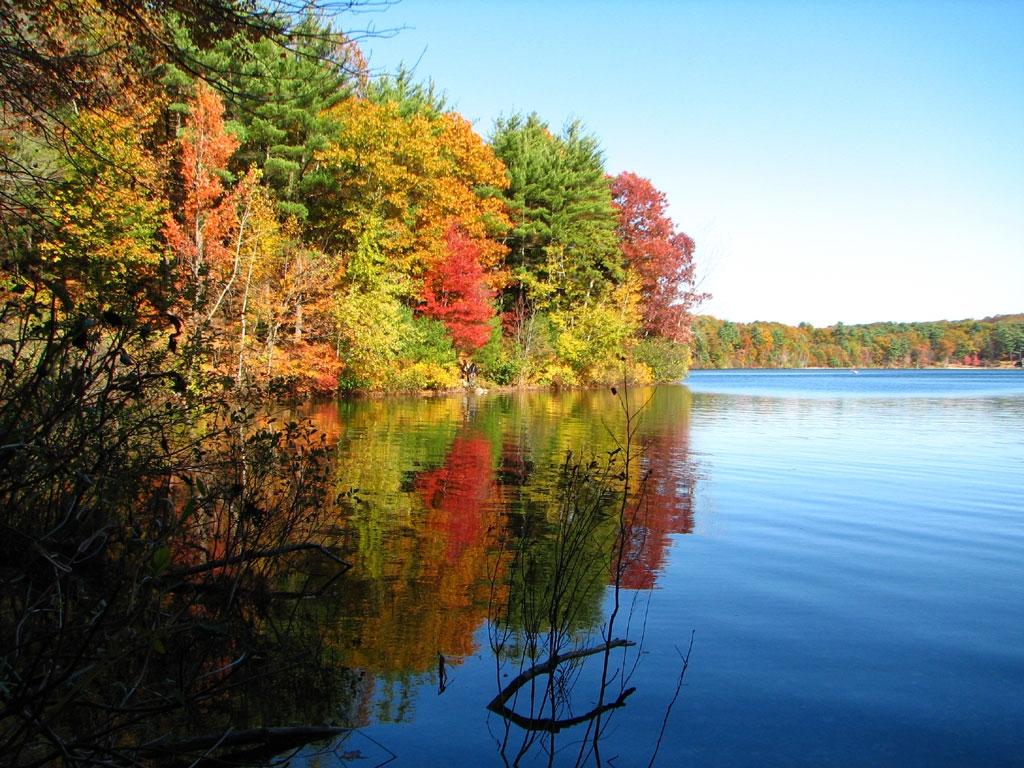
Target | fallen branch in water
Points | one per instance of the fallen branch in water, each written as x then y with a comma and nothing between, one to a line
553,725
498,704
259,554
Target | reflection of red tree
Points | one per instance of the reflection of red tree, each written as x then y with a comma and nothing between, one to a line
434,588
665,509
457,492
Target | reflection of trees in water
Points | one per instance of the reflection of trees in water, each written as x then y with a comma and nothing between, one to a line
664,464
457,495
542,633
668,484
447,489
421,583
572,662
180,611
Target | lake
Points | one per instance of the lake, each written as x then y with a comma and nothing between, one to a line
846,551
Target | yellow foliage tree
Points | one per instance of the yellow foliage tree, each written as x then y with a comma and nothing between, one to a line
590,337
404,180
107,210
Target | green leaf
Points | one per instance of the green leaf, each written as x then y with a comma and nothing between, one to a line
161,560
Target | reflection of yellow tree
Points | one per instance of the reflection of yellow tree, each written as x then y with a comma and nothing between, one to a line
421,536
540,429
380,444
436,481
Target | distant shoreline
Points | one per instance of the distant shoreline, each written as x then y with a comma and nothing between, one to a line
951,367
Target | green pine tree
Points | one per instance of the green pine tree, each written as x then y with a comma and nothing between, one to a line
563,249
276,96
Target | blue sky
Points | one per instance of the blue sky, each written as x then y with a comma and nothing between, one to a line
834,161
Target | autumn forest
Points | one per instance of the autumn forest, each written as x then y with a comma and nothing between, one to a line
219,225
210,209
968,343
309,228
315,229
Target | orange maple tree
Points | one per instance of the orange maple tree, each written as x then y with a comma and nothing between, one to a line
201,239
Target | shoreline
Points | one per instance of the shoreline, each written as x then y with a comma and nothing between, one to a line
504,389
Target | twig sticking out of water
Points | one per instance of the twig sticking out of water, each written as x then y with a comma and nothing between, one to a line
675,696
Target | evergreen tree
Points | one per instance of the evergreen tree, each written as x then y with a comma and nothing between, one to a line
277,97
412,97
564,249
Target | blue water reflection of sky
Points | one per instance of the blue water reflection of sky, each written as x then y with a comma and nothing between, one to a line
803,383
855,575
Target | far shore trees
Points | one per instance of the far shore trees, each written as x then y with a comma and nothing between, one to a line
993,341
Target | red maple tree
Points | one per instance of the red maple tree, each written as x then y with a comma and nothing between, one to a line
661,256
461,495
455,292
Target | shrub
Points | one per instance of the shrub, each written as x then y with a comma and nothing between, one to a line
500,360
427,341
557,375
424,375
666,360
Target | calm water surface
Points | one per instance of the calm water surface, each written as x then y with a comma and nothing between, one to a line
848,550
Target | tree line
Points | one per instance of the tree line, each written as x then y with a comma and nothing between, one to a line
313,229
990,342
